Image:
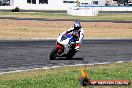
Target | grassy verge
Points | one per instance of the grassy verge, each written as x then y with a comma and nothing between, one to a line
111,16
66,77
28,29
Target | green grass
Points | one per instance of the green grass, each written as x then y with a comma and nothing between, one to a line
66,77
111,16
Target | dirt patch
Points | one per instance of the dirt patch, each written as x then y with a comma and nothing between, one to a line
19,29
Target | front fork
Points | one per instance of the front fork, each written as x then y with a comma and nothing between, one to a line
60,48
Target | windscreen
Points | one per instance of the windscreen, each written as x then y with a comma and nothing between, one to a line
65,36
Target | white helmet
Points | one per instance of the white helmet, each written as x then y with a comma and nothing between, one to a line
77,25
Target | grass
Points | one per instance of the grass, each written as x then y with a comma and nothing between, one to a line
37,29
124,17
66,77
28,29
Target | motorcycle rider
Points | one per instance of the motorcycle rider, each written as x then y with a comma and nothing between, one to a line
78,34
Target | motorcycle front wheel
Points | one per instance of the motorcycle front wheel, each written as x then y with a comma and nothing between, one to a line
70,54
53,54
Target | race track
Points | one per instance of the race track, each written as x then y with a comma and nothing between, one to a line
23,54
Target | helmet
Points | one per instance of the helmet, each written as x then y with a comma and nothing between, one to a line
77,25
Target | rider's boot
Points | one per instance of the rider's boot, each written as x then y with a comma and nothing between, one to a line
77,46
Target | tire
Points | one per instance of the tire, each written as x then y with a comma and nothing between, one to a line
70,54
53,54
84,82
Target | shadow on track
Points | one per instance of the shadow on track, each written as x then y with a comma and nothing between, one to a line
63,58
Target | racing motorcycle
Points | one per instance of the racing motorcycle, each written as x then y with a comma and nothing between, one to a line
65,47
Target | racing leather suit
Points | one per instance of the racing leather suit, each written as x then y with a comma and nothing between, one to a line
79,35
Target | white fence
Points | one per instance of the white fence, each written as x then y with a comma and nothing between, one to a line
93,10
82,12
108,8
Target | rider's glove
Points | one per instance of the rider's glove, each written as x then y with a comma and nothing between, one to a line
72,44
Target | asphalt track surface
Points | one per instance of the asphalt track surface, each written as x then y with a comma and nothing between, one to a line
28,54
23,54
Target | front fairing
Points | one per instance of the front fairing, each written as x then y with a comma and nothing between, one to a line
63,42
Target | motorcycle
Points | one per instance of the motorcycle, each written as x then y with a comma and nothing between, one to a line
65,47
